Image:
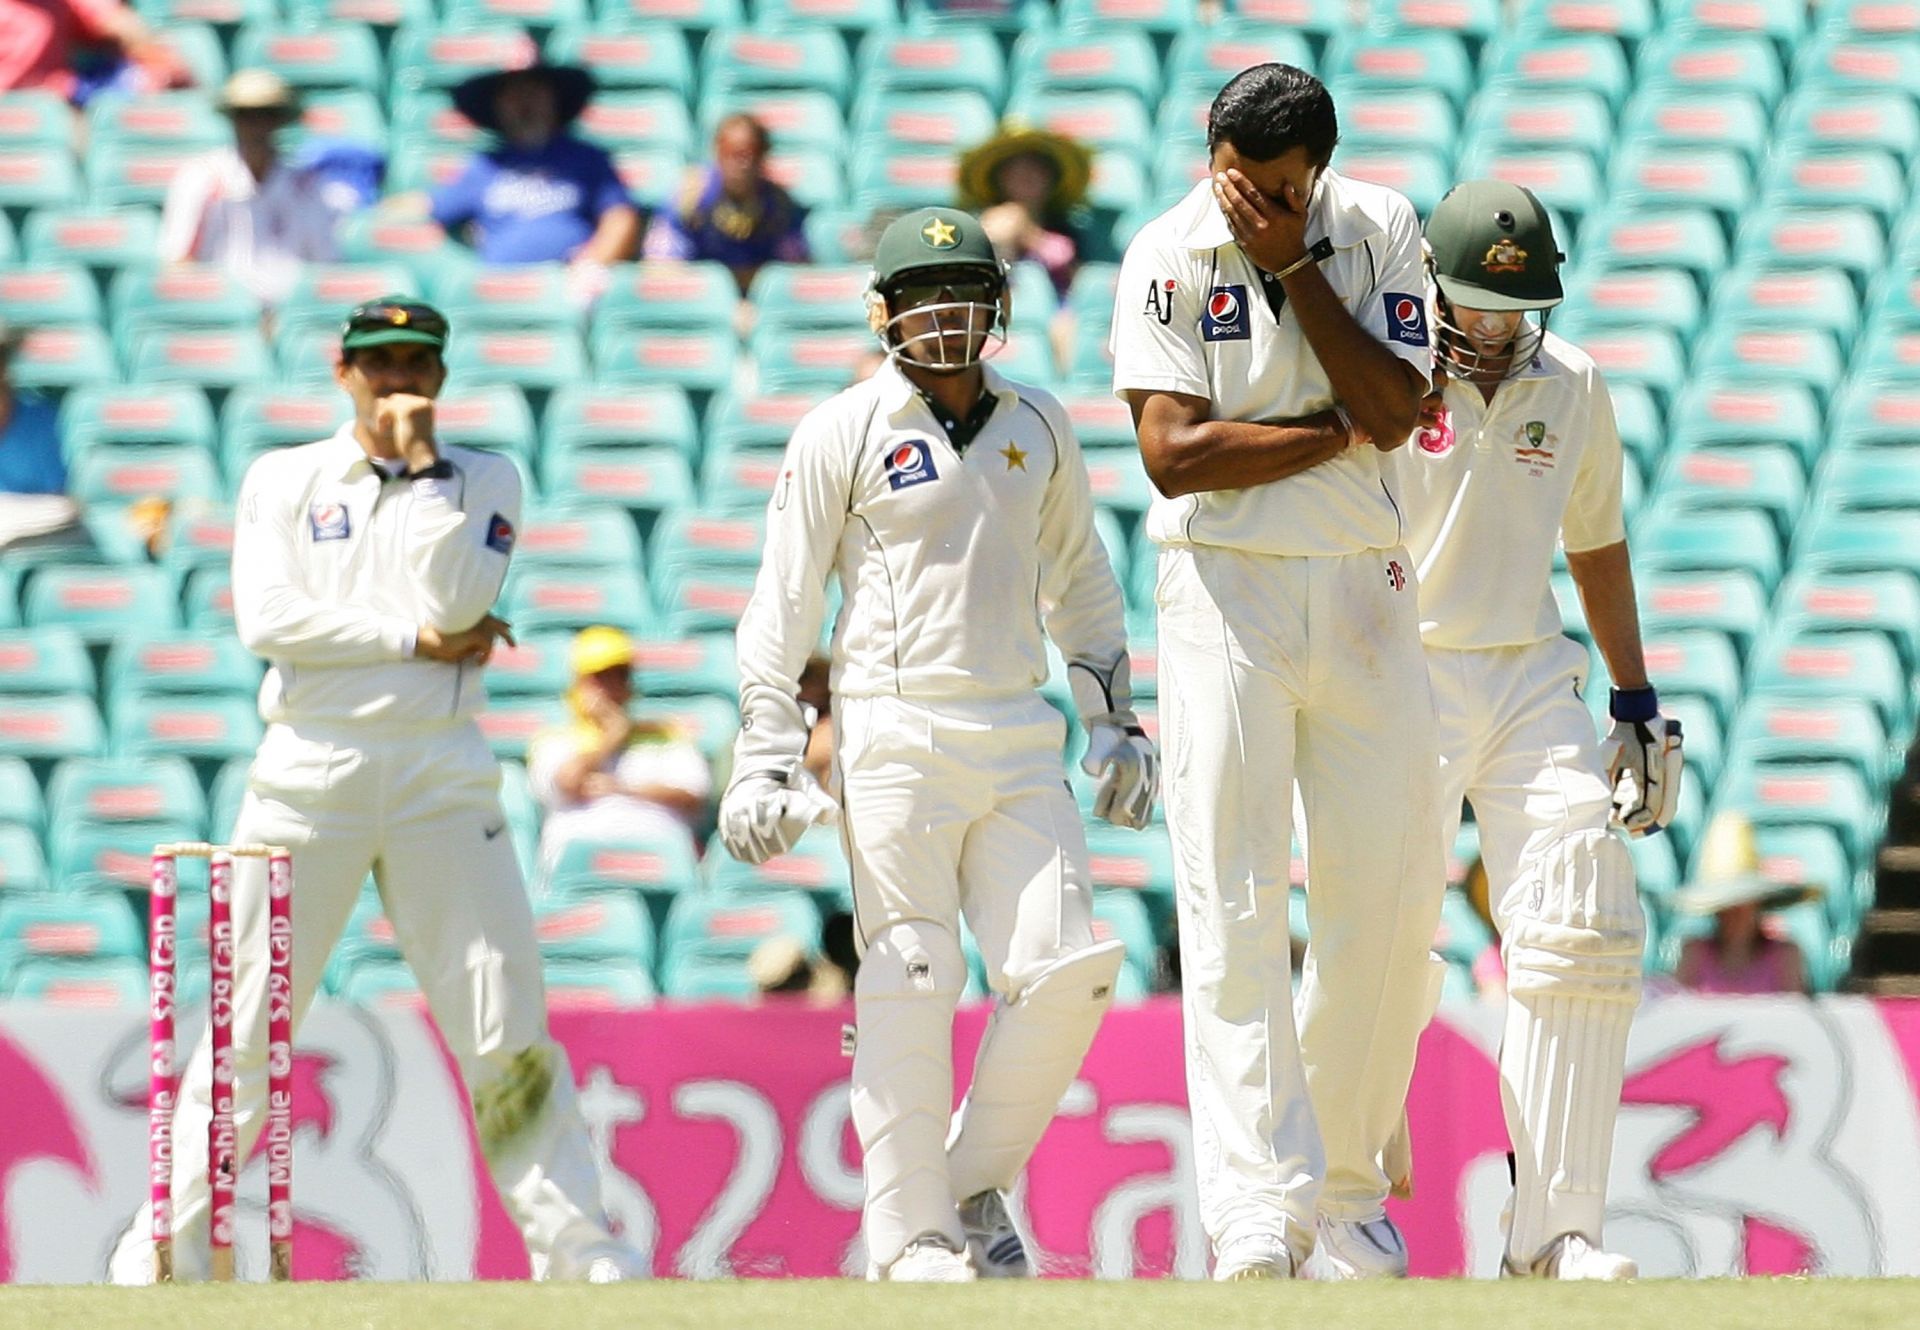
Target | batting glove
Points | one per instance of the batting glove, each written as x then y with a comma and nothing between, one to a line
1644,762
1118,750
764,813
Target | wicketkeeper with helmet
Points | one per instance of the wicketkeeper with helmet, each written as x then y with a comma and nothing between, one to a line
1519,451
953,504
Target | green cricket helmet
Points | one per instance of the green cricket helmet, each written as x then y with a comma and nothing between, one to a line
1490,247
939,265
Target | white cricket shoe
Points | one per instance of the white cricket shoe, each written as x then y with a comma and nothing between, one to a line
1257,1256
605,1261
1359,1249
1571,1256
994,1248
929,1260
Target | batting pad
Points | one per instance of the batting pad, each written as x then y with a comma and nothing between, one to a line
1030,1054
909,982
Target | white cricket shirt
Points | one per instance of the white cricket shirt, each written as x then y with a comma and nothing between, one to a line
1190,317
1540,463
262,231
335,567
953,567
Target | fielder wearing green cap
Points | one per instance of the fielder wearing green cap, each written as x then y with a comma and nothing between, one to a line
952,505
366,568
1519,457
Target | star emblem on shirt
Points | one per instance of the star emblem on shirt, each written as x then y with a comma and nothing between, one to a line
1015,458
939,234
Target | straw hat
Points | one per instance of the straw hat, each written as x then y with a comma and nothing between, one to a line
1727,873
1071,162
258,90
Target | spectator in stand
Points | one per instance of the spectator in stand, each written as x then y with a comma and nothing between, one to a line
34,507
77,48
247,208
1746,951
539,194
1025,184
606,775
731,212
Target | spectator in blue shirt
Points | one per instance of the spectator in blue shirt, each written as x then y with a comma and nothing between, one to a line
730,211
538,194
34,506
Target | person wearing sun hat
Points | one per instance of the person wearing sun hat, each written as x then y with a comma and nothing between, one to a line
605,775
247,207
538,193
1025,183
731,211
1743,951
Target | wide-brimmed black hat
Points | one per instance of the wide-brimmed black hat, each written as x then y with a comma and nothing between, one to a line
573,87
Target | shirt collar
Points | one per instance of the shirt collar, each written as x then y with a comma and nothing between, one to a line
344,453
1335,213
897,392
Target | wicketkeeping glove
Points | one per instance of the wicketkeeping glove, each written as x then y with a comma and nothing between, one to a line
1118,750
765,812
1643,756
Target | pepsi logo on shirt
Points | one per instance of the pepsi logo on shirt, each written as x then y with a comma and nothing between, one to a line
328,521
500,534
1225,317
1406,318
911,463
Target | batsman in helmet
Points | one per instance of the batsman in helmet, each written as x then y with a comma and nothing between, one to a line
954,507
1518,450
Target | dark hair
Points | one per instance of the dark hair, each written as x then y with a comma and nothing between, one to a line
1269,109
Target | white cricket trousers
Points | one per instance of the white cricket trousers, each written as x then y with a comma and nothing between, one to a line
1273,668
1518,743
419,807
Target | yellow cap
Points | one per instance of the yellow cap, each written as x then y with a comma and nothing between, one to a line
600,648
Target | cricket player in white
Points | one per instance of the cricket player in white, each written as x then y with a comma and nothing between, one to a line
1271,327
954,507
364,569
1521,451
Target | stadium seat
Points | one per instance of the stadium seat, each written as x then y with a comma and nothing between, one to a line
43,660
57,359
697,17
1122,916
586,417
957,59
540,15
1877,412
196,295
1525,118
1690,239
101,239
645,480
184,118
761,422
509,724
1819,177
699,295
698,666
45,295
537,598
658,867
206,728
787,360
212,358
109,790
708,723
92,925
899,180
1767,477
118,415
527,358
374,982
23,867
126,474
33,118
474,414
341,55
1836,665
1883,63
1634,297
529,296
577,536
535,666
1699,662
1736,62
38,177
180,662
1565,179
693,359
1829,794
639,118
1787,726
689,539
596,927
1649,357
206,599
696,599
257,419
1848,239
351,116
426,55
1728,541
45,729
98,603
1650,174
805,57
1587,62
1887,18
798,295
372,236
1836,542
656,56
1097,58
704,929
1887,603
1810,357
1421,59
1421,176
1773,299
597,985
739,481
816,866
797,120
1679,117
1842,119
1134,861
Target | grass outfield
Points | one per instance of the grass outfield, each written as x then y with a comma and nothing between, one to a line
1758,1304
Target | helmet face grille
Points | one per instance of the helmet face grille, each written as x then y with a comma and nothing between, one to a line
960,333
1463,358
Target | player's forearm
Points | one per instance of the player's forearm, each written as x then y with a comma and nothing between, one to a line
1605,579
285,626
681,803
614,240
456,565
1235,454
1372,383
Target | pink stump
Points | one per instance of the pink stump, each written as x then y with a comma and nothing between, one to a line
162,934
280,1064
222,1165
